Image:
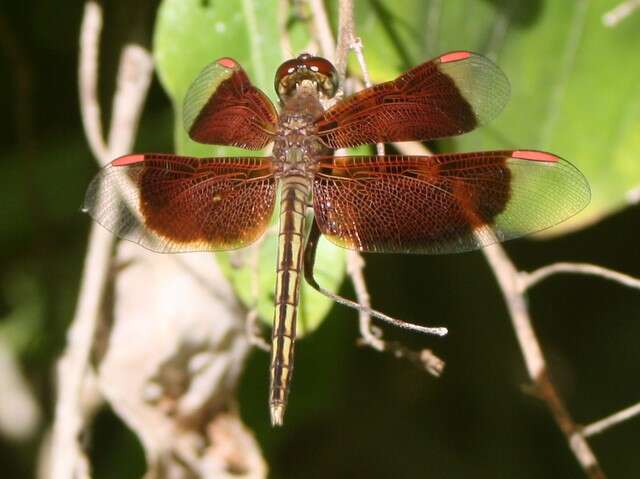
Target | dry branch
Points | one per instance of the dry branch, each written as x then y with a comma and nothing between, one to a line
620,12
513,285
528,280
172,385
68,458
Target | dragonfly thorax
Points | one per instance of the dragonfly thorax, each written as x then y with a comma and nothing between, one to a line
296,141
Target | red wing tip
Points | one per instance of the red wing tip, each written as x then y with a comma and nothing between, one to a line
535,156
454,56
127,160
227,62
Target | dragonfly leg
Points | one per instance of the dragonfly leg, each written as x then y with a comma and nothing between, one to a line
309,262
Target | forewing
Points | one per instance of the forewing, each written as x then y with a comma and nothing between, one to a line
446,96
222,107
170,203
443,203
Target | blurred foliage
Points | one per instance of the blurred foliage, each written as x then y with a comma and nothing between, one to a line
354,412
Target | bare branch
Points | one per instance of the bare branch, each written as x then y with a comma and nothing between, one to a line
88,78
412,148
528,280
620,12
507,277
68,459
610,421
345,36
134,75
424,359
133,80
513,285
323,29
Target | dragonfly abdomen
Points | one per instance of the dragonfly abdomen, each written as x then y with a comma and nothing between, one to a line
293,203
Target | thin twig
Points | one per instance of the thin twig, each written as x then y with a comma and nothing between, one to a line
349,41
68,459
507,277
509,280
424,358
134,75
620,12
610,421
345,37
88,78
528,280
323,29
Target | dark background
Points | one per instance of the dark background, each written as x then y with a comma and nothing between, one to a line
353,412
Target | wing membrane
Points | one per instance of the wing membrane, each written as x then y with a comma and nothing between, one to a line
443,203
222,107
169,203
446,96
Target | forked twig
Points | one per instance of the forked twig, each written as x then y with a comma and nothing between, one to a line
513,285
134,75
620,12
507,277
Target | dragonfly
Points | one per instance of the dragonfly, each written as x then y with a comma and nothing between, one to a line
442,203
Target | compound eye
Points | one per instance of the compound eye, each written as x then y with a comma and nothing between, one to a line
325,69
320,65
286,69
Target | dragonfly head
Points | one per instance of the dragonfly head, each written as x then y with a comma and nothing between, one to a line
306,70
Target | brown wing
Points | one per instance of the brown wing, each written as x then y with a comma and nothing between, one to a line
443,203
449,95
170,203
222,107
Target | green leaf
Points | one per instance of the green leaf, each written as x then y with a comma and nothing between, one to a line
574,82
189,35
